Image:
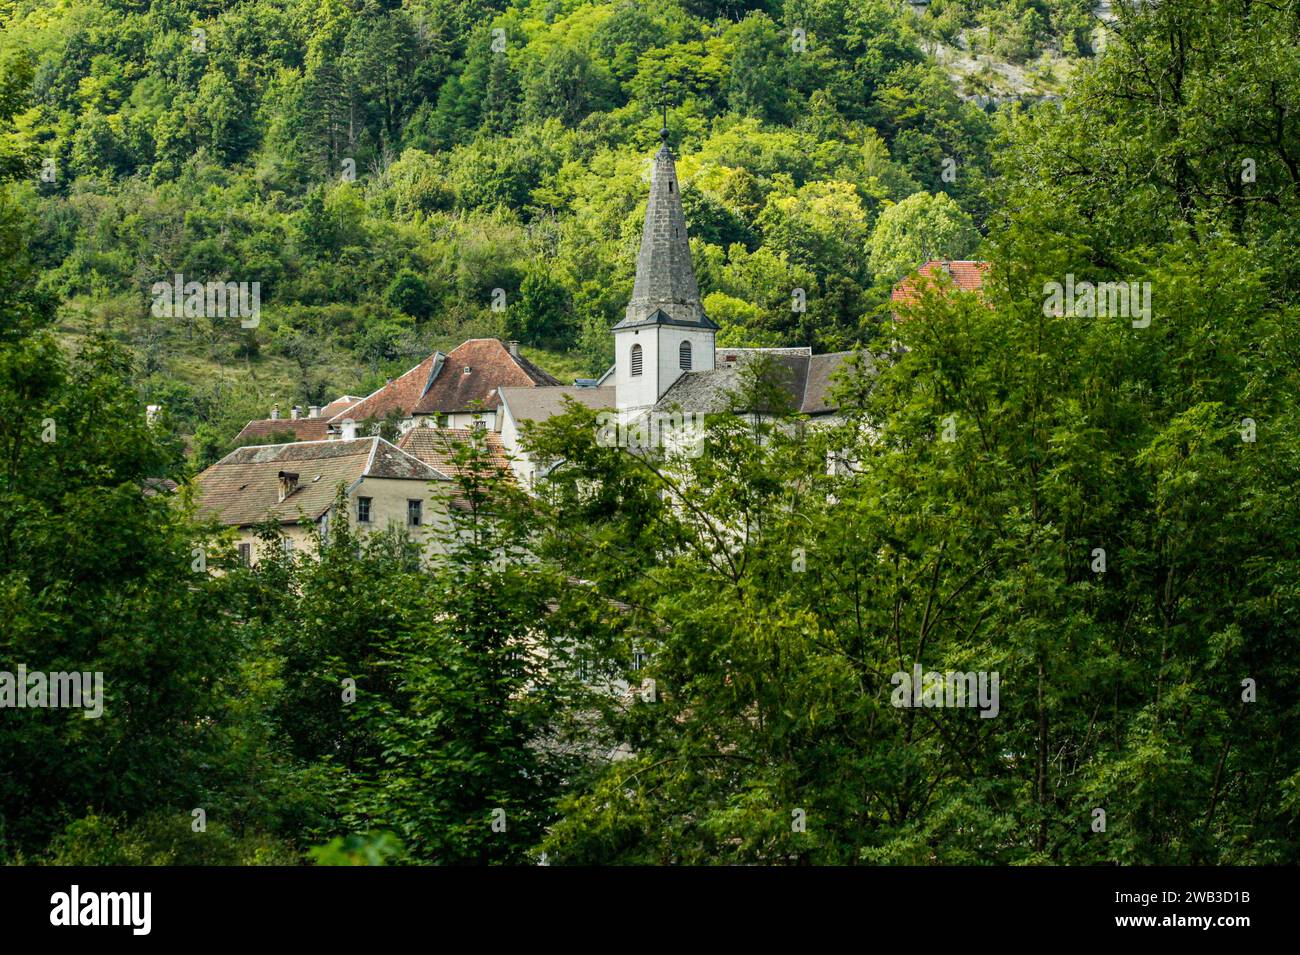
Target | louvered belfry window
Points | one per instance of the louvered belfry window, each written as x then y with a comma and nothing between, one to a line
636,360
684,356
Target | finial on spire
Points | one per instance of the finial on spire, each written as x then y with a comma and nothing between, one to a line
663,102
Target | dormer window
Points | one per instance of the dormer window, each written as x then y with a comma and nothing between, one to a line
288,483
467,369
636,361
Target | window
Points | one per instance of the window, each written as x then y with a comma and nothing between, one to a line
636,360
413,509
363,510
639,659
287,544
684,356
246,554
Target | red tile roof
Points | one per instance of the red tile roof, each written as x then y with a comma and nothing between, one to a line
437,447
476,371
283,429
965,275
297,429
466,379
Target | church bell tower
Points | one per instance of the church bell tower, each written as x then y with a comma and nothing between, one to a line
664,333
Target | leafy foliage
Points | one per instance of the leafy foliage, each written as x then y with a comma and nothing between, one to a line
661,657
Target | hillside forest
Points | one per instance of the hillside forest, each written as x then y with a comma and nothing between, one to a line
399,176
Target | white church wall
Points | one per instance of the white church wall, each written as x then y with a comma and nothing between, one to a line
637,391
670,343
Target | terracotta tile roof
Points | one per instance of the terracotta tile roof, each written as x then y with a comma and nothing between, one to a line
474,372
243,488
401,394
966,275
296,429
437,447
441,385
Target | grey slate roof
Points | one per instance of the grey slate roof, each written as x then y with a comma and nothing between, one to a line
802,379
665,291
538,404
818,382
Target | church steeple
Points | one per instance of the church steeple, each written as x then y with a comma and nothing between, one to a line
665,333
665,290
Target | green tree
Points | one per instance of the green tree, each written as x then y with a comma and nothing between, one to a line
471,754
541,315
920,228
410,293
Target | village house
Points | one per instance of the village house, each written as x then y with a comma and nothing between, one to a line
314,426
523,407
460,389
295,486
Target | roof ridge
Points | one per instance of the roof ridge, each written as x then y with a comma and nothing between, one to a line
528,366
334,442
335,417
387,384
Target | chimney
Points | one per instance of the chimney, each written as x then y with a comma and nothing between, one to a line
313,411
275,414
349,429
514,349
295,413
288,483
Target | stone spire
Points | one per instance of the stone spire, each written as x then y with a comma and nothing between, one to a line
665,291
